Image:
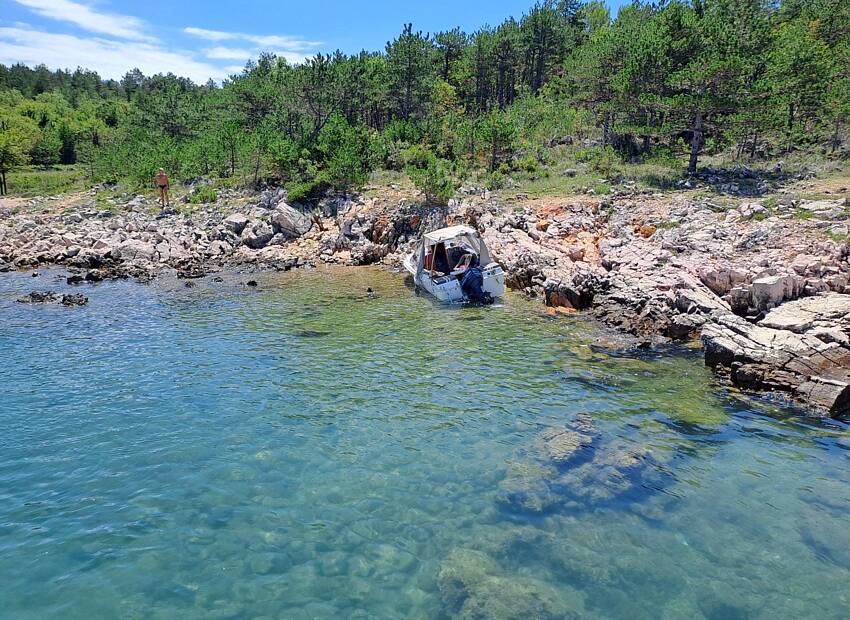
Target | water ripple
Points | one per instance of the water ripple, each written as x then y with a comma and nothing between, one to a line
307,451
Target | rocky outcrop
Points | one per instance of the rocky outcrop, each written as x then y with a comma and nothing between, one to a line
682,268
801,349
133,239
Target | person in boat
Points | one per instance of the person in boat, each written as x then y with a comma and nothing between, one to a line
161,182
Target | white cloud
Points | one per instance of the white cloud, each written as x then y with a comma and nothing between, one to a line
290,43
111,59
87,18
228,53
210,35
291,48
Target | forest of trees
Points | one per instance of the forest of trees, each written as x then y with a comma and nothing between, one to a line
753,78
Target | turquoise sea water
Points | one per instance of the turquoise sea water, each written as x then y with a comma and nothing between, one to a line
302,450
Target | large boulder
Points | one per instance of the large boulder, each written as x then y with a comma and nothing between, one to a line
236,223
721,280
289,222
770,291
134,250
257,235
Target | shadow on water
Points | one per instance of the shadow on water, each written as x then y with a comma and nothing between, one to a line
311,333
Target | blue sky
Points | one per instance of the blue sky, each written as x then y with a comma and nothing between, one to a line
208,39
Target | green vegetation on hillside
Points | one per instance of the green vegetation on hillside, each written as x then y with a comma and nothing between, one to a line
660,85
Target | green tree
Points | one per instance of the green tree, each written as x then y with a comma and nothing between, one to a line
14,144
430,174
449,46
711,46
45,150
344,154
411,70
799,74
499,134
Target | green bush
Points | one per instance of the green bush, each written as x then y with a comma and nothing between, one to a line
430,174
344,154
305,191
528,165
604,162
662,156
205,194
495,180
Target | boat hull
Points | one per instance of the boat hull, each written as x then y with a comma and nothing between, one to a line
447,288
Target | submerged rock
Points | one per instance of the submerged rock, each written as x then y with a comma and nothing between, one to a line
526,488
474,587
74,299
49,297
39,297
560,445
190,274
616,469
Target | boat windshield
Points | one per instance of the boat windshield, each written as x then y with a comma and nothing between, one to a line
452,256
451,251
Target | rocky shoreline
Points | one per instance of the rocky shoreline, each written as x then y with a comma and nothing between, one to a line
764,285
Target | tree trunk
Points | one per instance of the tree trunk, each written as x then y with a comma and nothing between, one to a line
257,169
753,145
606,129
836,134
2,183
791,112
696,143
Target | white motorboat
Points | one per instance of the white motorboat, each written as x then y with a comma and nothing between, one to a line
454,265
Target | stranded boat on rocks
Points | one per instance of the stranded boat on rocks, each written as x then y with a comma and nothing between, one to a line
454,265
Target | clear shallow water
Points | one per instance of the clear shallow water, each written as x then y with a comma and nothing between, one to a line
303,451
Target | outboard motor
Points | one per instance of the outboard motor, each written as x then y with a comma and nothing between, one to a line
473,286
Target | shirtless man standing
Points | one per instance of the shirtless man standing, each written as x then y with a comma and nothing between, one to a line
161,181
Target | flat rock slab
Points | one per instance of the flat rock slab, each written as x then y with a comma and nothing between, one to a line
800,348
802,315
